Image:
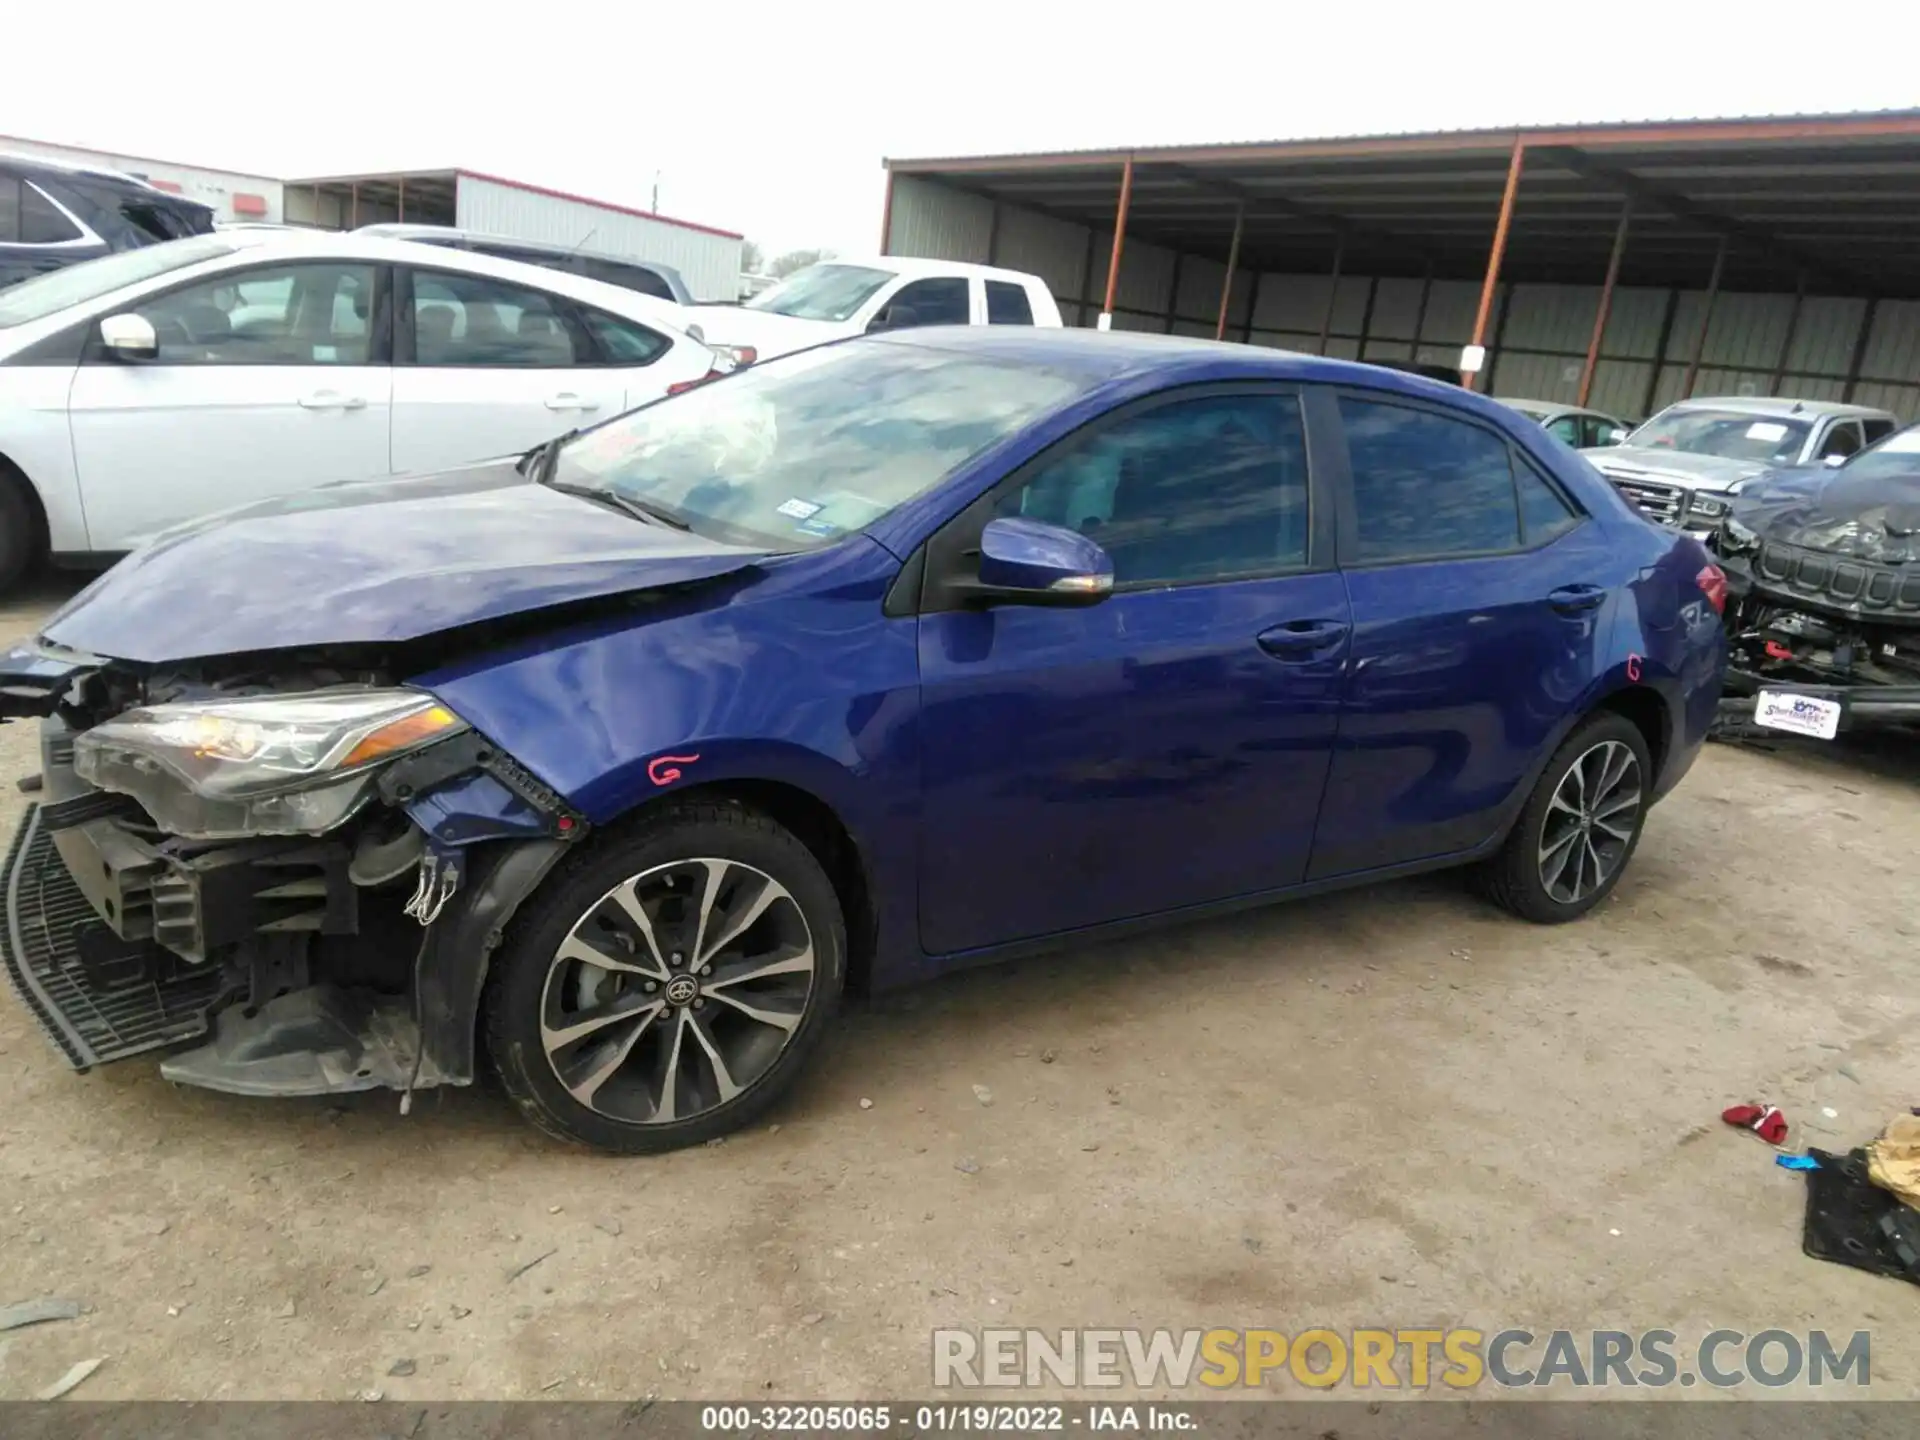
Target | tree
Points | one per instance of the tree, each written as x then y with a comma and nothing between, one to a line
785,265
752,258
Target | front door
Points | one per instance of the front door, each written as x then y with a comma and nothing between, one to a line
490,368
1167,746
1480,600
268,380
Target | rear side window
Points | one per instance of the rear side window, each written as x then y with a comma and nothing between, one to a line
622,341
463,320
28,218
1543,514
1427,485
627,277
1878,430
1007,304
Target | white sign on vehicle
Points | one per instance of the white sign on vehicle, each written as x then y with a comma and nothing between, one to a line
1766,430
1799,714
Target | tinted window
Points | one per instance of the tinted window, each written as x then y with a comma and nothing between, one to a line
1424,484
1007,304
1543,514
41,222
1843,439
9,209
312,314
795,452
627,277
1566,428
1195,490
461,320
76,284
941,301
1878,430
622,341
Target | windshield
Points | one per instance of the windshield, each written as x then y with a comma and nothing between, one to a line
1896,457
1730,434
796,452
90,279
822,292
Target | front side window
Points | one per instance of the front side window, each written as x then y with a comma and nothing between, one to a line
474,320
1730,434
315,313
1195,490
1566,428
1007,304
793,453
822,292
1426,485
940,301
1596,430
1841,441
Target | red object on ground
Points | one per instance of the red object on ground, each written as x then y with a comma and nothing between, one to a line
1766,1121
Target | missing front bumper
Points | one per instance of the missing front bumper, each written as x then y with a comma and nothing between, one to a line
99,998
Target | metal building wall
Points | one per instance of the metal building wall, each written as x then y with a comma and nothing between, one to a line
709,262
1539,336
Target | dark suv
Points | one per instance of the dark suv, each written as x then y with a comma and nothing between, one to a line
53,215
649,278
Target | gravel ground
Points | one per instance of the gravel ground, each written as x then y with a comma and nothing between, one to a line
1388,1107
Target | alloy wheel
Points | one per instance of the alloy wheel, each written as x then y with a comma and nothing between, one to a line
1590,822
677,990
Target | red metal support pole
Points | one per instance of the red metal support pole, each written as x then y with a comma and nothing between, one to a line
1606,302
1333,293
886,218
1233,259
1491,285
1706,319
1119,240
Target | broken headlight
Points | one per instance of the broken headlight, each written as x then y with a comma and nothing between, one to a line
1733,538
262,765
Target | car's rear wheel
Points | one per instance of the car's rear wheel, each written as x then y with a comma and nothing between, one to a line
19,534
665,987
1579,828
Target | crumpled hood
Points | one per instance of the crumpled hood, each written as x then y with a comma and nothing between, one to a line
1673,467
375,561
1860,517
769,334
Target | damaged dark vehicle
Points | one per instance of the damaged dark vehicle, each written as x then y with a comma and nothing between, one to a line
1823,612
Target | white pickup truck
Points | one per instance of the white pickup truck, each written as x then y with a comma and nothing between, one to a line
837,298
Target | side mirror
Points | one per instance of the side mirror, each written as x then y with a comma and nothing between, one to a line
894,317
129,337
1616,436
1033,563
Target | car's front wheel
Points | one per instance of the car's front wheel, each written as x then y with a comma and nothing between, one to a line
667,984
1580,826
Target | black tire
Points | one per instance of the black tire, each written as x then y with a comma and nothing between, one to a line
19,530
663,864
1521,876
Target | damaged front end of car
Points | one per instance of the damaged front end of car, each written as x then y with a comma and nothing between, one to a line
304,868
1823,614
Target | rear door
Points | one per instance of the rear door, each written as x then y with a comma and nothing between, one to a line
1167,746
1479,597
269,379
487,367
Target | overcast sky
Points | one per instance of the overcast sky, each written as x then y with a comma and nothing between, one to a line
774,119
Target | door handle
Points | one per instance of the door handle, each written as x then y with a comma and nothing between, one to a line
567,400
1299,639
332,400
1573,599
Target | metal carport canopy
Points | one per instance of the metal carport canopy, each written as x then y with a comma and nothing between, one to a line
1830,202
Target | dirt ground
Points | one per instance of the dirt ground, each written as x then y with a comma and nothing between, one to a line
1389,1107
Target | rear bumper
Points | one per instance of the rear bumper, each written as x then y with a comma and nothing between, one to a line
98,997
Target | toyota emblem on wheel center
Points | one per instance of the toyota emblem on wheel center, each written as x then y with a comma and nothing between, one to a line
681,989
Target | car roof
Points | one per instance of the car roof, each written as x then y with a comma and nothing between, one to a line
265,244
916,265
1541,409
1780,405
397,230
15,160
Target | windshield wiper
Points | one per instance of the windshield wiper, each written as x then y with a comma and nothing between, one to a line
537,463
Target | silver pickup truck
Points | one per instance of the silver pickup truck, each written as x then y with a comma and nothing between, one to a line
1679,466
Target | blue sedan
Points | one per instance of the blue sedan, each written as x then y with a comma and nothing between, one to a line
619,763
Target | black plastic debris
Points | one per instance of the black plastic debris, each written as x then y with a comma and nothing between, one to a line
1852,1221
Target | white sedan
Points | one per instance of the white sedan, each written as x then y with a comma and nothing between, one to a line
145,389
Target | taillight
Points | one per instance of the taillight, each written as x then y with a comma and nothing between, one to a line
680,387
1713,584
